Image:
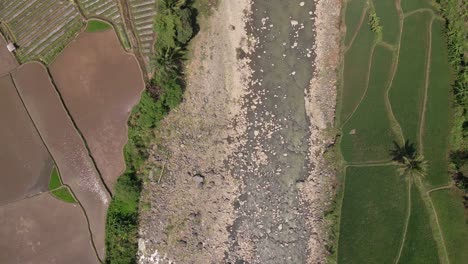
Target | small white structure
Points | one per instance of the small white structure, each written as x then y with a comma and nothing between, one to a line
11,47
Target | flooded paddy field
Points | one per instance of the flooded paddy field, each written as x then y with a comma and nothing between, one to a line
25,160
44,230
100,83
65,145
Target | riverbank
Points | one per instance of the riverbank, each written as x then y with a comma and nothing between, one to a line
188,197
237,175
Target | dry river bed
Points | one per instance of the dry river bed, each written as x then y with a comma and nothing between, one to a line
239,175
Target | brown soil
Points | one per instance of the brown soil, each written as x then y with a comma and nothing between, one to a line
25,162
7,60
100,84
65,145
44,230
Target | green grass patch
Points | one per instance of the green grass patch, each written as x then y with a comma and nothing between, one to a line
97,25
389,19
54,181
420,246
64,194
356,71
368,135
452,219
372,216
354,9
407,92
411,5
437,126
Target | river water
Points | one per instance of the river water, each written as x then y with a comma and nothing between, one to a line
270,226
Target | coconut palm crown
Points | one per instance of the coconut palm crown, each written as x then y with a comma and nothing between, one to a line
411,164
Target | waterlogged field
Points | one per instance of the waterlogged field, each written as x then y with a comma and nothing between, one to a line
396,87
100,95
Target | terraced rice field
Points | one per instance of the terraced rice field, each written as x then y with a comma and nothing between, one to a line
7,60
143,12
44,229
65,145
108,10
39,28
106,84
394,89
25,161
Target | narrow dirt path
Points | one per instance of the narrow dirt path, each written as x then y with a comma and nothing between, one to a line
422,120
408,216
127,17
356,32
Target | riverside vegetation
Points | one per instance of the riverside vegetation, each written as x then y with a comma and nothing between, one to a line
175,25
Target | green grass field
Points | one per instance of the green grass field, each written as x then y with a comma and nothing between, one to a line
97,25
373,215
371,140
374,210
406,94
54,182
389,19
438,114
64,194
356,71
354,9
420,246
453,222
58,190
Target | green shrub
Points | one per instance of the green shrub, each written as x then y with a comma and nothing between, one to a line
174,28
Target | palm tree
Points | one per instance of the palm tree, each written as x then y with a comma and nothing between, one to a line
410,163
407,150
167,61
413,168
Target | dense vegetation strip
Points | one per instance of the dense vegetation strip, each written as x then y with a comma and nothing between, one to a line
456,14
174,26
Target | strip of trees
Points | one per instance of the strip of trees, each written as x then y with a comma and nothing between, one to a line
174,27
456,14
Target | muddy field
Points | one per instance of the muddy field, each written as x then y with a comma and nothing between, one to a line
7,60
29,235
65,144
100,84
25,162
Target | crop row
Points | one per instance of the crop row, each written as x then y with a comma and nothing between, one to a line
143,12
37,25
108,10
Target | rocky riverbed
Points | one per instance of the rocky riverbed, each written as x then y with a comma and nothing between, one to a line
239,175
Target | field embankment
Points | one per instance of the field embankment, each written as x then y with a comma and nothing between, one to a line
396,87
